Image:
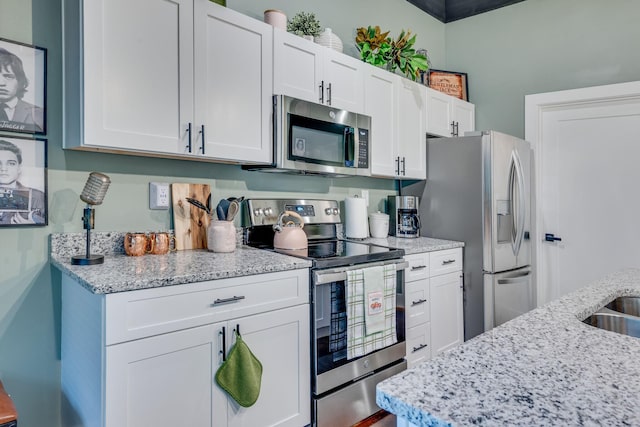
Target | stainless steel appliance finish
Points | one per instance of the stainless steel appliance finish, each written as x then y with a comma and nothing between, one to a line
404,216
478,191
334,377
316,139
615,322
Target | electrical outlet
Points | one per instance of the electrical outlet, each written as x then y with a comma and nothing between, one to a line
158,195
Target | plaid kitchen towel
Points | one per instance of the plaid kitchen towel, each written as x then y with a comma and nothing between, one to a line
358,342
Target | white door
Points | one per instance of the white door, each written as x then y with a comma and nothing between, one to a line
234,85
464,115
343,84
411,130
280,340
166,380
138,74
380,95
447,318
586,155
297,66
439,114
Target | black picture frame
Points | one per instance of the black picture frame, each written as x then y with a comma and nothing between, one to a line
23,182
23,87
450,82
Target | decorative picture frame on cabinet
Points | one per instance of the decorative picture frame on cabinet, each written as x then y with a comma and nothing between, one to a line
449,82
23,70
23,182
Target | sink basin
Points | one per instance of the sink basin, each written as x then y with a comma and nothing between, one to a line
615,322
627,305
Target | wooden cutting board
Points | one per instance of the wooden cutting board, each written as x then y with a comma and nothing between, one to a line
189,222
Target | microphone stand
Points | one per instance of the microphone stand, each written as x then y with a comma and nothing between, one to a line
88,223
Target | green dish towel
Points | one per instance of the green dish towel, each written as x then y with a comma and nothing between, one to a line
241,374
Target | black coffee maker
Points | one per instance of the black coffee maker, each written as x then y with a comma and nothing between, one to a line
404,219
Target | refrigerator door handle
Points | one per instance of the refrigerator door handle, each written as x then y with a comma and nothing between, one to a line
515,280
516,193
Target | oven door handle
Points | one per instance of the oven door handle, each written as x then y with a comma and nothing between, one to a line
323,277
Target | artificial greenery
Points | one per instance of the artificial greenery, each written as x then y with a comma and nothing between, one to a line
304,24
379,49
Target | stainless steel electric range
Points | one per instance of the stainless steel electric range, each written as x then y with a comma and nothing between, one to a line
342,390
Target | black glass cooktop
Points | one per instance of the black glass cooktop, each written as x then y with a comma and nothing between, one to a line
336,253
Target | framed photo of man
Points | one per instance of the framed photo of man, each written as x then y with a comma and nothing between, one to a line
23,182
23,70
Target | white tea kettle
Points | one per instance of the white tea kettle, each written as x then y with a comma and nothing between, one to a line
289,235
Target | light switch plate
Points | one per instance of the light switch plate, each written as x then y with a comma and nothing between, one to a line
159,195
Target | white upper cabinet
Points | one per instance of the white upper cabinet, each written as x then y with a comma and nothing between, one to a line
308,71
447,115
136,80
233,81
398,138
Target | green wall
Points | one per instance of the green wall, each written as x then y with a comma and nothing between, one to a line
541,46
534,46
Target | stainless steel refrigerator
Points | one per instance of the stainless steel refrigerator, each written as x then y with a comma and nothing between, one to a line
478,191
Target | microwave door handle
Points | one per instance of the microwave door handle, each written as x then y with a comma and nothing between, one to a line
349,146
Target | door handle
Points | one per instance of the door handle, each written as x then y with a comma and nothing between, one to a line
418,348
550,237
420,301
189,136
453,128
329,94
321,90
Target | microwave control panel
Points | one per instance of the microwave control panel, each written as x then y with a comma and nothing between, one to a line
363,148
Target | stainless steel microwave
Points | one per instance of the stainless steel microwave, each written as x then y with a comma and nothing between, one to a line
317,139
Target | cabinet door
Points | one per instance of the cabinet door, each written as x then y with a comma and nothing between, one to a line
447,328
380,94
165,380
342,79
439,115
464,114
233,80
411,130
138,74
297,66
280,340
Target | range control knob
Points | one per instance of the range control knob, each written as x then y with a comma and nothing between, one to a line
328,211
268,212
257,211
336,211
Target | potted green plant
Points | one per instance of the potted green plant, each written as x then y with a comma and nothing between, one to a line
378,49
305,25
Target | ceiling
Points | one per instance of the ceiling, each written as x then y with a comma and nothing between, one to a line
453,10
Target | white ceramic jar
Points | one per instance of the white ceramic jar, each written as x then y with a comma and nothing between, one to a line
221,236
378,224
276,18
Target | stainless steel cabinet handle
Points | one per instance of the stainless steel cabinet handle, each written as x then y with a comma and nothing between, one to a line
234,298
420,301
329,94
448,261
418,348
418,267
321,87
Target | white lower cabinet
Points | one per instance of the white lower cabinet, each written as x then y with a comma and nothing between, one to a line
167,379
433,300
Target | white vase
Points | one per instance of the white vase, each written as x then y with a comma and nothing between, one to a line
328,39
307,37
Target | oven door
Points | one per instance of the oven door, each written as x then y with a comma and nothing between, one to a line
331,368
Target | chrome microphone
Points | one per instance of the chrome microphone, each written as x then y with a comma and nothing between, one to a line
93,194
95,189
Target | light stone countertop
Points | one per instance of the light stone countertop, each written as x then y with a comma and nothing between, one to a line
416,245
125,273
544,368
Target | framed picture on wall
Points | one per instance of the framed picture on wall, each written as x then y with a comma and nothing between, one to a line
449,82
23,182
22,87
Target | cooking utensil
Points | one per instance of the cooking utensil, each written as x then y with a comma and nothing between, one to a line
198,204
289,235
234,207
222,208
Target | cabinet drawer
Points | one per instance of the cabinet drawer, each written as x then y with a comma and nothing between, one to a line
418,344
417,302
418,267
447,261
137,314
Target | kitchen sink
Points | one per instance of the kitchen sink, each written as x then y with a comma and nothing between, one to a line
626,305
615,321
